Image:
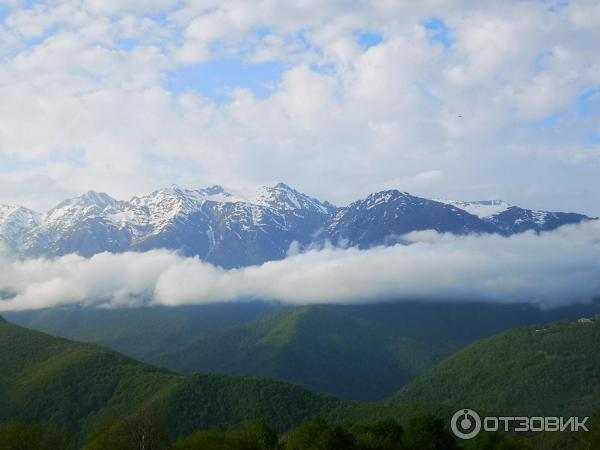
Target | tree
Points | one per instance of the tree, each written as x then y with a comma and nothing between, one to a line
317,434
147,431
590,440
497,441
19,436
251,436
426,432
205,440
383,435
255,436
142,431
109,434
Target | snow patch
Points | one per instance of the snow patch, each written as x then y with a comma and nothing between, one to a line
481,208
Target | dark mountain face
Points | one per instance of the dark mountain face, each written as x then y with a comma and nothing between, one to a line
382,219
232,231
517,220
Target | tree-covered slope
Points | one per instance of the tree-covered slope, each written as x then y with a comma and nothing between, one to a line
361,352
535,370
144,332
319,347
63,383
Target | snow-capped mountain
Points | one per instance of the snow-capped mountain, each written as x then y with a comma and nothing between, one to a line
509,219
480,208
229,230
281,197
16,222
382,218
77,225
233,230
220,227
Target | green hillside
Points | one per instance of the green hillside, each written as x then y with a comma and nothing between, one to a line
58,382
361,352
143,332
319,347
357,352
535,370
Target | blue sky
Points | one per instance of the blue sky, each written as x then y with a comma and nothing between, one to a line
368,39
438,33
216,79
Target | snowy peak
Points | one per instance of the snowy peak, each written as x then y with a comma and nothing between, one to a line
157,209
69,213
12,212
386,197
175,200
99,199
150,214
16,221
89,202
282,197
91,199
480,208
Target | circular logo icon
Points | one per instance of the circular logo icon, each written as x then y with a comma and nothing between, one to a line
465,424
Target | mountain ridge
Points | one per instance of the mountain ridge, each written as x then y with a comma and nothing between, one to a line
232,230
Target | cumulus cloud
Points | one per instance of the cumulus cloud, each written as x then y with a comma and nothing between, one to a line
550,269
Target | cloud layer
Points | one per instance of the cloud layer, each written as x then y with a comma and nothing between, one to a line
452,99
550,269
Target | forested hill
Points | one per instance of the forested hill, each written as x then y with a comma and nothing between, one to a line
333,349
58,382
535,370
322,348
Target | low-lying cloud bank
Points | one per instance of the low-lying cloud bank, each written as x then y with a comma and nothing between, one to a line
550,269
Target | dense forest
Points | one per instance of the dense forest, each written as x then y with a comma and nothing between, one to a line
78,387
547,370
146,431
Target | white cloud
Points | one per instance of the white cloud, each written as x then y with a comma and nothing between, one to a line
550,269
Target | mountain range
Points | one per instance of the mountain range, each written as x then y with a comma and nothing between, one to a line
230,230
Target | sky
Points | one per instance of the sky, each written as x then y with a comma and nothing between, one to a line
338,98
